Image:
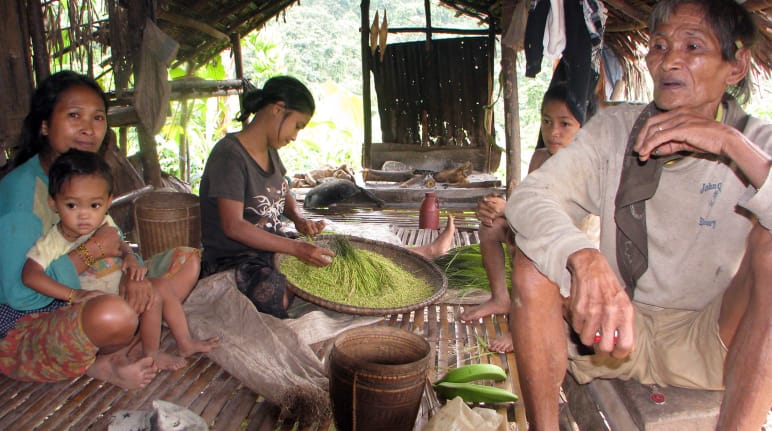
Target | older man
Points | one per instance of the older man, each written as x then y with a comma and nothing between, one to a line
680,292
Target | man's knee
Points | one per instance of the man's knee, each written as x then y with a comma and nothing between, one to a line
108,320
496,232
527,281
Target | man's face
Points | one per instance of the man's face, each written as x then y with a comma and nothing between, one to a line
685,63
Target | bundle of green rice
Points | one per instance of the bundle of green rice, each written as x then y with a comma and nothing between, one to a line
465,271
358,277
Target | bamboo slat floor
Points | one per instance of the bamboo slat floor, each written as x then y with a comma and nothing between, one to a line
224,403
204,388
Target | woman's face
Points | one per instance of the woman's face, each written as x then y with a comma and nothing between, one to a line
290,122
79,120
558,125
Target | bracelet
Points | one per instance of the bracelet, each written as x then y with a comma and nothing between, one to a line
69,296
101,250
85,256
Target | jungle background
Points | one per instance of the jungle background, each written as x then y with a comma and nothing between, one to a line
318,42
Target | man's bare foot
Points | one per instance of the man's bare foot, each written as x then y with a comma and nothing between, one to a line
167,361
502,344
117,369
197,346
491,306
441,245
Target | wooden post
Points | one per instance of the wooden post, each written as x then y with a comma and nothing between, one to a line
511,109
366,102
16,85
37,34
491,119
237,58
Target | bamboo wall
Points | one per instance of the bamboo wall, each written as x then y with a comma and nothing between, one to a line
434,98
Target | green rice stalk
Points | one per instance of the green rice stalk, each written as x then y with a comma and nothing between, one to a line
358,277
465,271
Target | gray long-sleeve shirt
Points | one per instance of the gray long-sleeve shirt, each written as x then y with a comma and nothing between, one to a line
698,220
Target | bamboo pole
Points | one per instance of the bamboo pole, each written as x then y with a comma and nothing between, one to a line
511,113
366,102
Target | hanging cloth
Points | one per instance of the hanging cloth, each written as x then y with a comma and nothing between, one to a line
152,89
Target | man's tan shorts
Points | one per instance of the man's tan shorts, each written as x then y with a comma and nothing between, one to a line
672,348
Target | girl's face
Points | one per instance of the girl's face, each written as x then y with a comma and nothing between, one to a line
558,125
290,122
79,120
81,204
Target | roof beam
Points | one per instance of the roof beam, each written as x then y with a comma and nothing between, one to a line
639,14
194,24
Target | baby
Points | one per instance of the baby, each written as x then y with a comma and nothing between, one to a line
80,192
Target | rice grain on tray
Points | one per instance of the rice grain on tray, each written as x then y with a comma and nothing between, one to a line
359,278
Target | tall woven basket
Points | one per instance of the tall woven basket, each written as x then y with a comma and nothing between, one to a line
166,219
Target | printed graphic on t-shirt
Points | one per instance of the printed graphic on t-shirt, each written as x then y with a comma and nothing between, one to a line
713,190
268,207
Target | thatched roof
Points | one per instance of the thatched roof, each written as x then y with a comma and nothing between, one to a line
204,28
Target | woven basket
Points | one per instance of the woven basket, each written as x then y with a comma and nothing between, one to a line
165,219
377,376
408,260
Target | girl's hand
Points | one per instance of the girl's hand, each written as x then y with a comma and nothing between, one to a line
490,208
80,295
310,227
132,268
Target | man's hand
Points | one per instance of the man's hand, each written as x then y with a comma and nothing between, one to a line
310,227
490,208
599,304
138,293
683,130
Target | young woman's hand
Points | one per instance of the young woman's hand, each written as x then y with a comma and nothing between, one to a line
132,268
314,255
81,295
310,227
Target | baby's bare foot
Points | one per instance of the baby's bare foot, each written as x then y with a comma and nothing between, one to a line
167,361
198,346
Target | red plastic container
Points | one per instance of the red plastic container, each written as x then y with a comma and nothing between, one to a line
429,217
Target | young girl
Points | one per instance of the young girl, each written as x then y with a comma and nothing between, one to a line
244,192
92,337
558,127
80,192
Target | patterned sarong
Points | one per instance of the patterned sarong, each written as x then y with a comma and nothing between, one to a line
47,347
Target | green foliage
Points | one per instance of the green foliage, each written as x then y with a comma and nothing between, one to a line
317,41
465,271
